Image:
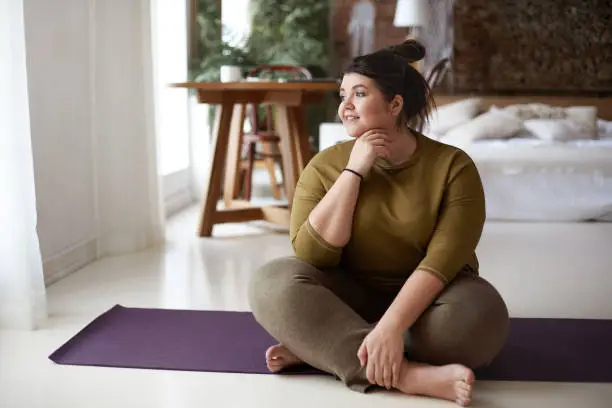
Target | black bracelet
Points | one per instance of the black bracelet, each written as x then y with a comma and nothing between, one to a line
354,172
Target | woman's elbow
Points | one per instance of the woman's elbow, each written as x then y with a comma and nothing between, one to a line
320,261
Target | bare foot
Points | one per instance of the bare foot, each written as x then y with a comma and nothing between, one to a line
279,357
451,382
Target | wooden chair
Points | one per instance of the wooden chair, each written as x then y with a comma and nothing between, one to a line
436,75
434,78
263,133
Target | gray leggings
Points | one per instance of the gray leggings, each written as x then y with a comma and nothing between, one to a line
323,317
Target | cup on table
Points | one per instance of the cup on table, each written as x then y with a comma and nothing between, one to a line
230,73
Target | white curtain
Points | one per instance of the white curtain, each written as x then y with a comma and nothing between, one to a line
128,197
22,289
125,185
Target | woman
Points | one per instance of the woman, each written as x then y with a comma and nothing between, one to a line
384,288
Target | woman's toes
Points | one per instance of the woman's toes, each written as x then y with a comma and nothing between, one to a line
463,387
279,357
464,402
469,377
463,391
275,365
272,352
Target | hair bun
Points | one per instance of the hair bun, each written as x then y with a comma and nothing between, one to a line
410,50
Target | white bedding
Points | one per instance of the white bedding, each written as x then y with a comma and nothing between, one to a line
533,180
547,195
530,180
541,154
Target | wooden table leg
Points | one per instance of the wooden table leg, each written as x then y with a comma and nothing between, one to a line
300,137
212,189
284,127
233,155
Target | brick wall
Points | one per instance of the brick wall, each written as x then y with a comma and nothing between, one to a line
533,45
503,46
385,33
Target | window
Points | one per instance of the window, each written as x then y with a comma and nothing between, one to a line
169,31
170,25
235,18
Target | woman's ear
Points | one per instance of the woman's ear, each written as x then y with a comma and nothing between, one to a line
397,103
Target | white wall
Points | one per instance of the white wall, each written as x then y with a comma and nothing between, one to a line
87,81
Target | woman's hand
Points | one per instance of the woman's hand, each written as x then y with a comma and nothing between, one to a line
383,351
372,144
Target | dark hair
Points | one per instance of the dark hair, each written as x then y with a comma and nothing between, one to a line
392,73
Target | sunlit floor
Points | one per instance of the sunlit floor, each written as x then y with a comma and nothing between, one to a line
542,270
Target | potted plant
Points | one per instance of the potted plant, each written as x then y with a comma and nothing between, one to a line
223,54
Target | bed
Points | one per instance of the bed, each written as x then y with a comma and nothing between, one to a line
537,168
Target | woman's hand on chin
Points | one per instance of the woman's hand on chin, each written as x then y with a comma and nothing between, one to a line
370,145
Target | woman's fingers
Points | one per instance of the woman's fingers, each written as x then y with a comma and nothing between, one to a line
387,375
375,134
378,139
362,353
372,131
380,144
396,374
374,372
382,151
380,376
371,371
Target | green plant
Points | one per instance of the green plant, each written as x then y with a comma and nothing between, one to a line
206,35
222,54
211,52
294,32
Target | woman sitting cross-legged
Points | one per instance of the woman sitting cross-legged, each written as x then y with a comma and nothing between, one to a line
384,288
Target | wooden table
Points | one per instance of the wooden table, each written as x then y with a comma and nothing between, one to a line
289,99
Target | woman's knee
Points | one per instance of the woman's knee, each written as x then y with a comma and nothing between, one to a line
469,325
488,320
273,284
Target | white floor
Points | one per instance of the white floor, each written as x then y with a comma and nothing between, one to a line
543,270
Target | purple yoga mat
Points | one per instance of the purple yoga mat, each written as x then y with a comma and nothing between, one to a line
568,350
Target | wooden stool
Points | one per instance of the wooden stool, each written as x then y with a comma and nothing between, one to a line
289,100
263,131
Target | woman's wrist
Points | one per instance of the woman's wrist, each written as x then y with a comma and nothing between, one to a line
391,323
355,172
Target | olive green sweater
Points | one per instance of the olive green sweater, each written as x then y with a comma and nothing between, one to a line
427,214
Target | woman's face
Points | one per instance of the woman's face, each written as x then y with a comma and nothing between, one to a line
363,106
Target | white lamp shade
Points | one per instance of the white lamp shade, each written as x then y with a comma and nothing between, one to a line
411,13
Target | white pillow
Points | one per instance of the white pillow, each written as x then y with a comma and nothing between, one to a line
526,111
604,129
494,124
584,116
453,114
557,130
